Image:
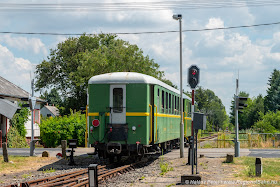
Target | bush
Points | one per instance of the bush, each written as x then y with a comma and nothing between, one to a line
15,140
19,119
53,130
269,123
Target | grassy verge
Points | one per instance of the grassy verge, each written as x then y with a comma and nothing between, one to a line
246,169
18,163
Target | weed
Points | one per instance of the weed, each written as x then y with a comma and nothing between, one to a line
142,178
171,185
51,170
26,175
165,168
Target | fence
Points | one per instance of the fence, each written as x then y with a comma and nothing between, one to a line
247,140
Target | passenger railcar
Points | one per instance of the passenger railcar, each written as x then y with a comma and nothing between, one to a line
130,114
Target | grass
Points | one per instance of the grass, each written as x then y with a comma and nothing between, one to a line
26,175
19,163
271,168
51,170
164,167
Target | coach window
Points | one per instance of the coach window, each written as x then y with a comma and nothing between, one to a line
158,98
162,101
166,103
172,104
118,100
175,105
169,99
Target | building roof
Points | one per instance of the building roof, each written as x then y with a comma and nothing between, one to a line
10,90
130,78
52,109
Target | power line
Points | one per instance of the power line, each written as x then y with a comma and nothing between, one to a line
148,32
126,6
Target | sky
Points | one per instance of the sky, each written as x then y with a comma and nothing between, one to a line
222,54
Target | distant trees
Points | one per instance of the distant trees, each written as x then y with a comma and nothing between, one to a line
262,113
211,105
272,99
76,60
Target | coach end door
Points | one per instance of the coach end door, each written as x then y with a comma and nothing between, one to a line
118,112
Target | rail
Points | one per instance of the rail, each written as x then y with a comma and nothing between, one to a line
78,178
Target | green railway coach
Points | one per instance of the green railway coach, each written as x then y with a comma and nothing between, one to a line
130,114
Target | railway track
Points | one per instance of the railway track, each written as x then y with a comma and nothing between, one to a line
78,178
202,139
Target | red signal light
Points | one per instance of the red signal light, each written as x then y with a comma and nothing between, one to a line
194,71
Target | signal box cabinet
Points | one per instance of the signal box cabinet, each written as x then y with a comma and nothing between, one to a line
199,121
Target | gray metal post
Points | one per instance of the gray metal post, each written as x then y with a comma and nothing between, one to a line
237,144
192,111
181,95
32,143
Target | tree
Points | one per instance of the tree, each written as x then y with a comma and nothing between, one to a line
269,123
76,60
252,112
272,99
52,98
209,103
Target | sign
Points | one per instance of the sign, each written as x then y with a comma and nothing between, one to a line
95,123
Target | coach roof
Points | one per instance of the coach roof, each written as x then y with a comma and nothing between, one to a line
129,78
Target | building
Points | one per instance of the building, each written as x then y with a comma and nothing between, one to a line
49,111
10,96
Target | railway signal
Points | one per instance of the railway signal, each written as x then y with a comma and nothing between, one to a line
193,78
240,103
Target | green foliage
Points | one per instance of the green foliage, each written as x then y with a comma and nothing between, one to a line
210,104
76,60
15,140
52,97
271,100
19,119
164,167
251,113
53,130
51,170
269,123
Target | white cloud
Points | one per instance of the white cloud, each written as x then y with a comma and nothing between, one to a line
25,44
15,70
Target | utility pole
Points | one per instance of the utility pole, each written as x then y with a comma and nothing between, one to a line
32,103
237,144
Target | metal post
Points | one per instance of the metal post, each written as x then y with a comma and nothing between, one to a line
181,95
32,143
237,145
192,155
196,165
